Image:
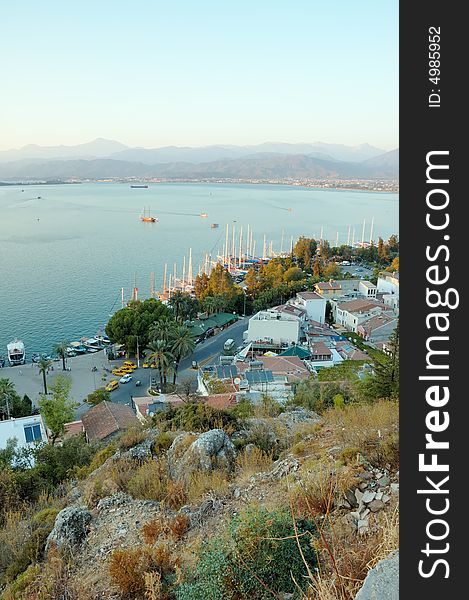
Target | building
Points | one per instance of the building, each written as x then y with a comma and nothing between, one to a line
388,286
270,329
199,327
27,431
107,419
378,328
328,288
367,289
314,304
350,314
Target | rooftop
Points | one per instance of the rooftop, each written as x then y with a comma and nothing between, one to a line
360,305
310,296
107,418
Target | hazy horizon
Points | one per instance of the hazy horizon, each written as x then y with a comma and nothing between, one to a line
155,74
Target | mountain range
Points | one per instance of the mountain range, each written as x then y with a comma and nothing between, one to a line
110,159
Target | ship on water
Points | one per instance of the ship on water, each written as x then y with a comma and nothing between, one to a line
139,186
147,218
16,353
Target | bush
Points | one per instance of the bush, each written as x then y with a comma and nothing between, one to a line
128,570
258,559
196,417
150,481
99,395
132,437
162,442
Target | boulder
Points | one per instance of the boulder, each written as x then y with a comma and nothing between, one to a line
382,582
298,416
211,450
70,528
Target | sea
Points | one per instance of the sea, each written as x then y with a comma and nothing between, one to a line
66,251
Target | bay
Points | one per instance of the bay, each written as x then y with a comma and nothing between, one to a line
65,256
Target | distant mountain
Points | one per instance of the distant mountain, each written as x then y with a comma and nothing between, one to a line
264,165
102,148
215,153
98,148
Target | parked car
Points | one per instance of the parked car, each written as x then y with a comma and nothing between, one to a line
209,332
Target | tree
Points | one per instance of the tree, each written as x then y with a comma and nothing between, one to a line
182,344
209,304
132,323
161,329
44,364
175,302
7,397
58,409
160,353
201,286
99,395
61,350
332,271
304,251
385,381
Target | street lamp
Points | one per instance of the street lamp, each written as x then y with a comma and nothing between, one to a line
244,310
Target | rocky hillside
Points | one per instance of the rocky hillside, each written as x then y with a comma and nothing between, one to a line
283,503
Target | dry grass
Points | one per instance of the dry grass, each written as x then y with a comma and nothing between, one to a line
201,483
132,437
253,461
149,481
175,528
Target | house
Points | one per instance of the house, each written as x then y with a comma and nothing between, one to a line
328,288
388,285
321,355
292,310
72,429
352,313
378,328
27,431
270,329
107,419
314,304
367,289
349,352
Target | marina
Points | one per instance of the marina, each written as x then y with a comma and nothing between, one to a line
71,264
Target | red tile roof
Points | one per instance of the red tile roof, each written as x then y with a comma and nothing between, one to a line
73,428
220,401
310,296
107,418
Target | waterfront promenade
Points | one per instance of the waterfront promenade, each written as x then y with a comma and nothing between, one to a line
28,380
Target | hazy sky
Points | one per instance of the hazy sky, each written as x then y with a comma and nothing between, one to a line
196,72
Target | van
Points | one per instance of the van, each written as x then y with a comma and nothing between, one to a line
112,385
228,345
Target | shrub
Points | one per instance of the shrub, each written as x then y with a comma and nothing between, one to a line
98,459
162,442
179,526
176,495
175,528
253,460
150,481
259,559
128,568
243,409
152,530
196,417
131,437
202,482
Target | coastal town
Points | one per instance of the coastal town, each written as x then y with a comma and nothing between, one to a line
228,357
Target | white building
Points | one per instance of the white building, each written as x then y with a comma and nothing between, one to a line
388,283
28,431
272,328
314,304
354,312
367,289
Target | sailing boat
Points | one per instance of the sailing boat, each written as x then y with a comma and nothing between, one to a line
146,218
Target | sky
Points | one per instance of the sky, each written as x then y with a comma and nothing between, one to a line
154,73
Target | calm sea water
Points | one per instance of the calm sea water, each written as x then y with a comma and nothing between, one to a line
65,257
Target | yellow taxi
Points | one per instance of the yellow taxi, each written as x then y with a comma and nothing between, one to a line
118,371
153,365
145,365
127,369
112,385
129,363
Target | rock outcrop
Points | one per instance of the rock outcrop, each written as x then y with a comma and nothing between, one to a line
70,528
382,582
211,450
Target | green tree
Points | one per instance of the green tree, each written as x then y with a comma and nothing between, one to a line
161,329
201,286
182,344
160,353
133,323
99,395
385,382
8,396
61,350
44,364
58,409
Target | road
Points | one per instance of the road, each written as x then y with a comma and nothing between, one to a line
206,352
358,271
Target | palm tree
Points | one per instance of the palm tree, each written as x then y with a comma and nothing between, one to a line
175,302
162,356
210,304
161,329
182,344
7,393
61,350
44,364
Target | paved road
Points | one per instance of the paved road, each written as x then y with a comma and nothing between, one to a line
205,353
358,271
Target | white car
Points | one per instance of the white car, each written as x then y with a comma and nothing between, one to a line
125,379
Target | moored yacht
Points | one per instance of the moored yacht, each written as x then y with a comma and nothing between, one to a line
16,353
